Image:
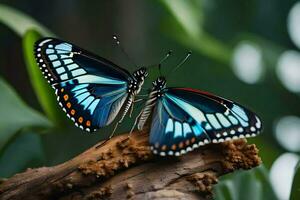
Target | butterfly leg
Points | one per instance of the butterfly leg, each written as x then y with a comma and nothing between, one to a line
114,130
126,109
134,124
129,103
138,100
131,110
132,106
111,135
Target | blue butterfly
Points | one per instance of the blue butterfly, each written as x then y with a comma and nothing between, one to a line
184,119
90,89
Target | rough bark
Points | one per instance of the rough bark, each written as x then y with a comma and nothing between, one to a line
126,169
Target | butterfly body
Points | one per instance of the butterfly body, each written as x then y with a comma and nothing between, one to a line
90,89
184,119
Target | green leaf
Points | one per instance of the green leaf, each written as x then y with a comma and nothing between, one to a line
187,29
20,22
23,152
188,14
15,115
243,185
31,31
295,193
248,186
262,175
43,90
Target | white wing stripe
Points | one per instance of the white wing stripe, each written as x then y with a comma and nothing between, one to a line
213,121
98,80
195,113
178,130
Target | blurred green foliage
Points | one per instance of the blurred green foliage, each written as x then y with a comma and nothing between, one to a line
23,152
212,29
19,22
16,115
190,32
253,184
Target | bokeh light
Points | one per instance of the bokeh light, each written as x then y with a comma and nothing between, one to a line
247,62
287,133
282,173
294,24
288,70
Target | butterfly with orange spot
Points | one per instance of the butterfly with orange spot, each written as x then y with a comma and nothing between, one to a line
90,89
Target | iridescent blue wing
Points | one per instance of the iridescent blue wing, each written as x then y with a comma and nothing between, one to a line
185,119
90,89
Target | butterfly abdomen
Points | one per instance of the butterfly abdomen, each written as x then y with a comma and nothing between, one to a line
126,107
150,103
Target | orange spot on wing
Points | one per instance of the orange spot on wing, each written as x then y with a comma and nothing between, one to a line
73,112
88,123
174,147
69,105
80,119
66,97
164,147
193,140
62,90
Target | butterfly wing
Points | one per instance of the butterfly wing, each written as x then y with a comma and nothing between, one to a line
185,119
90,89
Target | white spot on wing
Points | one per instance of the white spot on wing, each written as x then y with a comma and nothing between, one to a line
162,153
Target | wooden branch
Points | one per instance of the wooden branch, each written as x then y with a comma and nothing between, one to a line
125,168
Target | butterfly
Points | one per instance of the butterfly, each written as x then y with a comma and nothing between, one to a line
184,119
90,89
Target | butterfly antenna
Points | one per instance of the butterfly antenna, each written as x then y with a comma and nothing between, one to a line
162,60
118,43
182,62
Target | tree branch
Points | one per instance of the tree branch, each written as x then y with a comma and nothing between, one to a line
125,168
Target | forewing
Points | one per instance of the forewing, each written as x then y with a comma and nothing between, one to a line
62,61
